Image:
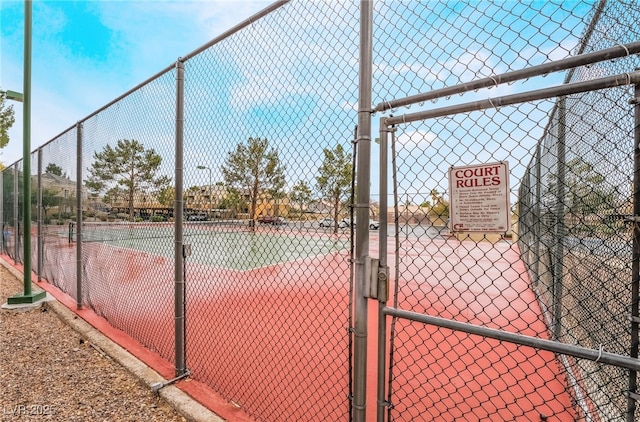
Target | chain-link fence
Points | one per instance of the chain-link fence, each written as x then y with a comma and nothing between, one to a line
247,276
209,212
56,187
11,212
268,134
570,170
576,206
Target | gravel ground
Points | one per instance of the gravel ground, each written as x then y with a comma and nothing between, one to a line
48,371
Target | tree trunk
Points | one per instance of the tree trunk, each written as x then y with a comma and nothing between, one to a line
254,203
131,205
336,205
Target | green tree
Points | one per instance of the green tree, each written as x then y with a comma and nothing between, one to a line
7,120
129,166
253,168
113,195
334,179
585,189
276,194
50,199
233,201
300,194
53,169
440,207
166,196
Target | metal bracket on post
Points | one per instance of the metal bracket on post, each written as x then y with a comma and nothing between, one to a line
186,250
376,279
370,287
383,284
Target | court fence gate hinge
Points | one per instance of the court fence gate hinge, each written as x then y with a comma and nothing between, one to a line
186,250
376,280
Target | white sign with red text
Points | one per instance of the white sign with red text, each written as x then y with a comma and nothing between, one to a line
479,199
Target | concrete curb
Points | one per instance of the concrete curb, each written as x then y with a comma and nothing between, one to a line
178,399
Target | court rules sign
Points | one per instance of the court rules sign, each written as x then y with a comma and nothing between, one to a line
479,200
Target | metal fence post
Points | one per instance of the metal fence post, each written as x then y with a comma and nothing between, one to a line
39,216
2,219
635,266
362,210
382,326
558,256
79,272
28,295
26,155
16,209
537,217
180,364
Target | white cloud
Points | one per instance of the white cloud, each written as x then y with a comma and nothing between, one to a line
416,139
419,69
468,66
146,36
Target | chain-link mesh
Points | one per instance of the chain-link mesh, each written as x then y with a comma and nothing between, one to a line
576,235
268,165
11,214
18,238
127,243
269,122
576,267
57,211
268,136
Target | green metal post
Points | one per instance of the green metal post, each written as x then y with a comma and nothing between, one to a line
27,296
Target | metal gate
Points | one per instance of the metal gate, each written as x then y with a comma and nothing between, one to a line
537,320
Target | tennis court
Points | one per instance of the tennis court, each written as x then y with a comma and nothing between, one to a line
256,291
224,244
251,303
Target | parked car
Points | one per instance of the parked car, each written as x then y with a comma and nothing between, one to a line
266,219
270,219
196,217
327,222
345,222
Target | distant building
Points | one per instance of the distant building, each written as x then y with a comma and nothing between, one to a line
319,206
266,205
412,214
64,190
204,197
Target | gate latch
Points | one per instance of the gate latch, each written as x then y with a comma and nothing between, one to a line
376,280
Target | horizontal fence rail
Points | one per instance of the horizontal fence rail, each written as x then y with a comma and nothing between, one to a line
225,214
574,88
543,344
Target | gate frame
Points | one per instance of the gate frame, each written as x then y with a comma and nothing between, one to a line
388,125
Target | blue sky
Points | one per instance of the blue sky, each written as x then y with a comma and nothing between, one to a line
298,80
87,53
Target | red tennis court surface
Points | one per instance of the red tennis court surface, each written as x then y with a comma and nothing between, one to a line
291,372
458,376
